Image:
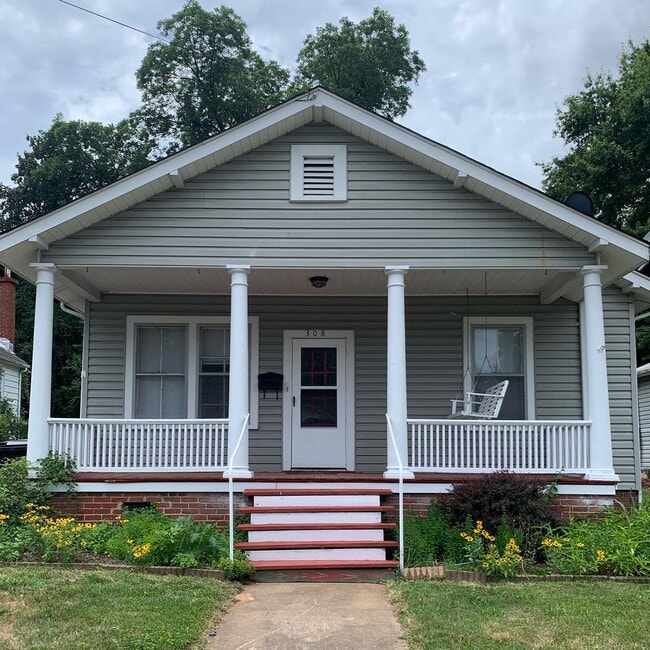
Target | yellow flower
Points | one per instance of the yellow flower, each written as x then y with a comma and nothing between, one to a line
469,538
580,545
600,554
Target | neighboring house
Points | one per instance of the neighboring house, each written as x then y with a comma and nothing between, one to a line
321,280
11,366
643,381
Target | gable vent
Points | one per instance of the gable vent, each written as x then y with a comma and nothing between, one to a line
318,176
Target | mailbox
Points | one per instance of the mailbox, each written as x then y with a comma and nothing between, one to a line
271,381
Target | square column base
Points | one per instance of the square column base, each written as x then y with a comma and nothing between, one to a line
393,473
238,472
602,475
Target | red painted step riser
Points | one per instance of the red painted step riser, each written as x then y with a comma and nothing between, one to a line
296,544
280,565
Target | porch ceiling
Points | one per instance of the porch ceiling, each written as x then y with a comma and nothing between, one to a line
96,281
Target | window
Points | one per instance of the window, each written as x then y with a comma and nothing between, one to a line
160,372
178,367
318,173
502,348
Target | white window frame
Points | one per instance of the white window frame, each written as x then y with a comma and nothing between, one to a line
529,352
193,325
340,158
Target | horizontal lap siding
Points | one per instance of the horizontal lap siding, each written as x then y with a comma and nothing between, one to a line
644,420
396,213
621,364
434,356
10,382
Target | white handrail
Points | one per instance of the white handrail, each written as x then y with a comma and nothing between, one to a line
231,508
400,467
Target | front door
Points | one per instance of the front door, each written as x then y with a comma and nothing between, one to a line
319,401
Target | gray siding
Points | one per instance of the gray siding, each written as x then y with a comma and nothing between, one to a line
434,357
10,384
621,363
396,213
644,420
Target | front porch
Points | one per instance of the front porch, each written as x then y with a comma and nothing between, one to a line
434,446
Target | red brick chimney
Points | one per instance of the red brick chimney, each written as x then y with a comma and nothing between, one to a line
8,307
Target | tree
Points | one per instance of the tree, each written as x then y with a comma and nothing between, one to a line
206,78
607,129
370,63
69,160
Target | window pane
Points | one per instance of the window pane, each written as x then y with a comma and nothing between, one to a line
173,349
318,366
498,350
173,397
148,349
514,402
215,342
318,408
213,396
147,397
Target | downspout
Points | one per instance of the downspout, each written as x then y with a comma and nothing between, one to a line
70,310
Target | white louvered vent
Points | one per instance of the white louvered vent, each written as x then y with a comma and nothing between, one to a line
318,172
318,176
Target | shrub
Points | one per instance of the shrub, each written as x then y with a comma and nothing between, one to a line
239,568
519,502
11,426
431,539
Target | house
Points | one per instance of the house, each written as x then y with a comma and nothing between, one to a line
643,381
310,289
11,366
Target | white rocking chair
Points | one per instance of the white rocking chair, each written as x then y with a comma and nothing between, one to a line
483,406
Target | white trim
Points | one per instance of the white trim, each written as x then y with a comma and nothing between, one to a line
529,353
338,154
583,361
287,367
221,487
193,324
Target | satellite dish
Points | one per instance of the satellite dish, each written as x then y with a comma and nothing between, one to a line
580,201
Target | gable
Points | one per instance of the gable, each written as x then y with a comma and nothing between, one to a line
395,213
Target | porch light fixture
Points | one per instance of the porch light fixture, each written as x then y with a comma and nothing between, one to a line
318,281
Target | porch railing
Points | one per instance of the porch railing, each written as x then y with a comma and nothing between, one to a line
538,446
142,445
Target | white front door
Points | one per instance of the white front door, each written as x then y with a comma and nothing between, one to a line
319,400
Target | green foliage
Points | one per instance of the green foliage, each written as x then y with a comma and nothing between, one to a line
432,539
370,63
617,544
606,127
498,556
12,427
238,569
519,502
69,160
206,78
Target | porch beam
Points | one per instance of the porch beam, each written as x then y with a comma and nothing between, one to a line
396,398
41,383
238,401
601,463
555,288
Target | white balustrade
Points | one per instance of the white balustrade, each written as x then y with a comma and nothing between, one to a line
518,446
141,445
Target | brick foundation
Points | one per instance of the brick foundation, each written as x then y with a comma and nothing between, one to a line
203,506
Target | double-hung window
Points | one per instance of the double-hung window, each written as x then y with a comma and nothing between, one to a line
178,367
499,348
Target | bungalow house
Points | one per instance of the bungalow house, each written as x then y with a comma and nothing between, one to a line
291,306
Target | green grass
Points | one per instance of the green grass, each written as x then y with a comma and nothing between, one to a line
558,615
52,607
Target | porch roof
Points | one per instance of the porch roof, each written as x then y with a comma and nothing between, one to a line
18,247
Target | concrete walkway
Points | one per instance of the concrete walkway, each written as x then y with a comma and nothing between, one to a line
285,616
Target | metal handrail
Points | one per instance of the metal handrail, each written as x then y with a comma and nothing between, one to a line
400,467
231,507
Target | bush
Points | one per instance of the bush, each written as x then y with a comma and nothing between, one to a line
431,539
503,499
617,544
11,426
238,569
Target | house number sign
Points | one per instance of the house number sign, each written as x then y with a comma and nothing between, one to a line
315,334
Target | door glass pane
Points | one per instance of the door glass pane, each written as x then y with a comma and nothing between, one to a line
318,366
514,403
318,408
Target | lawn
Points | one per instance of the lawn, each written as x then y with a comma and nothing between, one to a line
572,615
53,607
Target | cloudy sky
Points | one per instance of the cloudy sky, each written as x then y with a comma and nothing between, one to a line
496,69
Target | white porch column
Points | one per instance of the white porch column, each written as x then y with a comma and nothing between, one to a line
38,443
601,461
239,365
396,372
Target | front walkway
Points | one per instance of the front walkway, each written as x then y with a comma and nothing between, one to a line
288,616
